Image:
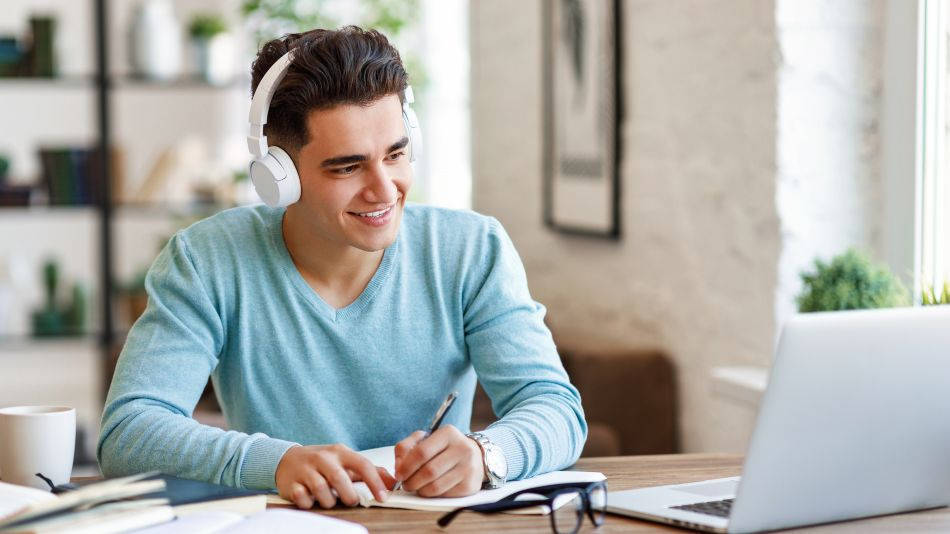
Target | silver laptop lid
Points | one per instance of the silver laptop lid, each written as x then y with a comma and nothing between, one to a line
855,421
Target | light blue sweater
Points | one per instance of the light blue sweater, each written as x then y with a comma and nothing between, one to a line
448,304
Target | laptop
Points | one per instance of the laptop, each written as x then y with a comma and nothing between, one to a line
855,422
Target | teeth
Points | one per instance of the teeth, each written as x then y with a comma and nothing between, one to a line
373,213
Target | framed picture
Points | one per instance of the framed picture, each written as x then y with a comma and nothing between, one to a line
582,112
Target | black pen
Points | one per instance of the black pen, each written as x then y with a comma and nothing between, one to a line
436,421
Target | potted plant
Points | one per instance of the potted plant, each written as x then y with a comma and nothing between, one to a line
214,48
850,282
930,297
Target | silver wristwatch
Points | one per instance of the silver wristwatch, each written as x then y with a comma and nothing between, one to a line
496,467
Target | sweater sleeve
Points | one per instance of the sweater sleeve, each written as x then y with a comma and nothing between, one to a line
167,359
541,426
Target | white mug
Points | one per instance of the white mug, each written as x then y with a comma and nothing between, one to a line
37,439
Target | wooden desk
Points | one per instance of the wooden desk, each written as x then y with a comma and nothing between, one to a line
625,472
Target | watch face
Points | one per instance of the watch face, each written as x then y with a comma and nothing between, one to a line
496,462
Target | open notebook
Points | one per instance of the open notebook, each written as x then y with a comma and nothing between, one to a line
218,522
385,457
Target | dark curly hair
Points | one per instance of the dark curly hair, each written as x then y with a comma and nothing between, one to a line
330,67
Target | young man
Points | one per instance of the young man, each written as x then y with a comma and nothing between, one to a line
340,322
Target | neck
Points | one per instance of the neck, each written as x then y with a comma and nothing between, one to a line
328,266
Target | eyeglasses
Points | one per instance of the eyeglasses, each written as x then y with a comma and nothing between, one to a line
567,502
57,489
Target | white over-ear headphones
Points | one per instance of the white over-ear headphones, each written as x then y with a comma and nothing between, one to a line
272,171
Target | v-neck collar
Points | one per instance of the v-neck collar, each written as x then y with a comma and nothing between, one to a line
314,298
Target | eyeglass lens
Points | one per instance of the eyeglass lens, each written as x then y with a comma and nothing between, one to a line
567,517
598,504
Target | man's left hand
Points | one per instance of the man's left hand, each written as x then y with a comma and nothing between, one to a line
446,464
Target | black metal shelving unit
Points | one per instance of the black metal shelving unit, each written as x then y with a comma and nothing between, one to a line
107,333
104,84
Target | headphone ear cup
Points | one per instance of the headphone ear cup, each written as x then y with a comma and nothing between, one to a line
275,178
289,187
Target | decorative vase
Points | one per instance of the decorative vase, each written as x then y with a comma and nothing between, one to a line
215,57
156,41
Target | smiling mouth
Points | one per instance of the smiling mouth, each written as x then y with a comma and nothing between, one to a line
373,214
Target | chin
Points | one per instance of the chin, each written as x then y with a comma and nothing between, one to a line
378,242
370,239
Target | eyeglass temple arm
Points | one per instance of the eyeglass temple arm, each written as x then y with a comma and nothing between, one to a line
501,506
508,503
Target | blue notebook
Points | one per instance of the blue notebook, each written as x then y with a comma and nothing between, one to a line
188,496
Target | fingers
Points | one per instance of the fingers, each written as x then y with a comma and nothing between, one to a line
437,487
432,470
337,478
320,490
407,444
388,479
360,468
462,489
423,451
300,496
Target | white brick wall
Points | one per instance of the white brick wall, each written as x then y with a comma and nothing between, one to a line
710,102
828,183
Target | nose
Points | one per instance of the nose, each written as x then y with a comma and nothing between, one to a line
381,187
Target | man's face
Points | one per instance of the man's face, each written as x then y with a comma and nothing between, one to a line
355,173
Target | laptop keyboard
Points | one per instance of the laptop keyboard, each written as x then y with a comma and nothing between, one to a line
716,508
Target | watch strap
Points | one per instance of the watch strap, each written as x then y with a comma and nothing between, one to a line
493,480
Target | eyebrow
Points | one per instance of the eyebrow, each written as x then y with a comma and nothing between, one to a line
357,158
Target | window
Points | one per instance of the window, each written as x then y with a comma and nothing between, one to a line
933,225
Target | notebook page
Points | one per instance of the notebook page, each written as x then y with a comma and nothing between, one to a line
383,457
198,523
280,521
14,498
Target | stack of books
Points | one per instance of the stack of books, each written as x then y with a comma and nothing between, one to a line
103,507
159,504
72,175
33,56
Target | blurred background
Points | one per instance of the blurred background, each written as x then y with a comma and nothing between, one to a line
679,176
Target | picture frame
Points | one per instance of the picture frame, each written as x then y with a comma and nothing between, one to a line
582,111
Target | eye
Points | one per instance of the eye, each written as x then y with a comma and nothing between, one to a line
349,169
396,155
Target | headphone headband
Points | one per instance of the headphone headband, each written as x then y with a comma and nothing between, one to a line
260,104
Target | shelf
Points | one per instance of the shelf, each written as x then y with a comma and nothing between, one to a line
118,82
70,81
185,82
47,208
25,342
160,209
147,209
743,383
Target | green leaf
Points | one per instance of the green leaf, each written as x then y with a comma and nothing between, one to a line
850,281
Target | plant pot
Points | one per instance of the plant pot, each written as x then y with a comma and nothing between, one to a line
214,57
156,41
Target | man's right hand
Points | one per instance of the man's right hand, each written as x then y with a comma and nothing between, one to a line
308,473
